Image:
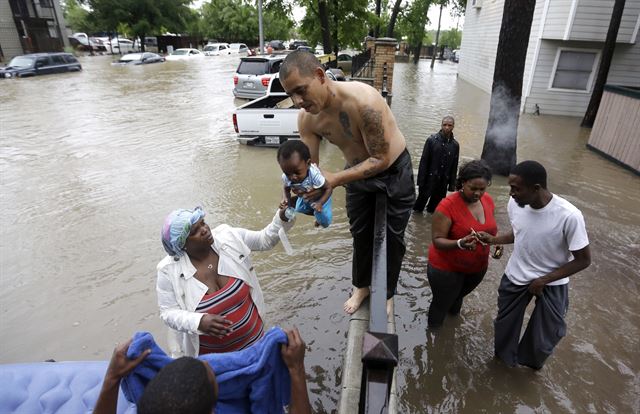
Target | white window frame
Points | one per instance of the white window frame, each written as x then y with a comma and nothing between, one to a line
476,3
592,77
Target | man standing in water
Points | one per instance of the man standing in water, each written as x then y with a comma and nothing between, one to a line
438,167
354,117
550,244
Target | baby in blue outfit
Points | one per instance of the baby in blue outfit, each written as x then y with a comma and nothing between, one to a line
301,176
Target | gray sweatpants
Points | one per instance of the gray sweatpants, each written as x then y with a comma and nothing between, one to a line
545,328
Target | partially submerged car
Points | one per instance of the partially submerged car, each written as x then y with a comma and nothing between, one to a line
139,59
216,49
40,64
253,75
185,54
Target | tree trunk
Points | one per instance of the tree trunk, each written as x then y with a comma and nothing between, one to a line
393,18
605,63
376,30
141,37
324,26
336,44
500,141
416,53
435,47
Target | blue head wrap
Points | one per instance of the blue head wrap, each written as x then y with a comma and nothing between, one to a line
177,227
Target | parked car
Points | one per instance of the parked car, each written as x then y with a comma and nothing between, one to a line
276,45
455,56
238,48
344,62
253,75
216,49
294,45
139,59
185,54
121,45
40,64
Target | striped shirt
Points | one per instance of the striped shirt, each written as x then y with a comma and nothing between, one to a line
234,303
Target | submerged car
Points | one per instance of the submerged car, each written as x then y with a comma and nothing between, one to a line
253,75
238,48
216,49
185,54
40,64
139,59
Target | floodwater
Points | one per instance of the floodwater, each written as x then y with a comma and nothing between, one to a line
90,163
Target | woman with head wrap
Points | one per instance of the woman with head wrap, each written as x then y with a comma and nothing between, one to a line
208,292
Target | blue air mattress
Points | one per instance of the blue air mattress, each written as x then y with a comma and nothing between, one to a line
54,387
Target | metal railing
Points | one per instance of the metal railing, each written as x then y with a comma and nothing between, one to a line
379,348
361,65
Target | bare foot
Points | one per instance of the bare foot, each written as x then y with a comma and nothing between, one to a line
358,295
389,306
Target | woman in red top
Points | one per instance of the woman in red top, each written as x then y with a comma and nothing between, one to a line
457,260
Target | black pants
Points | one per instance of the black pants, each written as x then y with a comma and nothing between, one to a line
545,328
397,183
433,192
449,289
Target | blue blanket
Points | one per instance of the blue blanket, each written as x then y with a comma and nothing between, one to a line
254,380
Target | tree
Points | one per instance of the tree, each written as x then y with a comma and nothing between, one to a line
412,25
142,16
78,18
394,16
605,63
451,38
348,22
500,140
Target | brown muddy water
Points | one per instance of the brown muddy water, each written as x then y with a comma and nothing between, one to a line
90,164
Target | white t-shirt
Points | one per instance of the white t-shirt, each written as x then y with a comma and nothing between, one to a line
544,239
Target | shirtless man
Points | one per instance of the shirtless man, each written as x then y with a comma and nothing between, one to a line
355,117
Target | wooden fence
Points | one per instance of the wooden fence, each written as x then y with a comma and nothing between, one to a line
616,131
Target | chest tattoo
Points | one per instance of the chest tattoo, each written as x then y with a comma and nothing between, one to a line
346,124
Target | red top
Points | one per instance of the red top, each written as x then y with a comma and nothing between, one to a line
233,302
462,221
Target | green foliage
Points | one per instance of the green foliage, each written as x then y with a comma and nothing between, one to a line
78,18
237,21
451,38
412,22
142,17
350,18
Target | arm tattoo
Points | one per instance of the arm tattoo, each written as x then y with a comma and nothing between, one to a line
374,131
346,125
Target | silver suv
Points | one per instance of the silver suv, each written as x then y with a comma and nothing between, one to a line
253,75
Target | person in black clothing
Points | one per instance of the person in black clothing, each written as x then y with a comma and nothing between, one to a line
438,167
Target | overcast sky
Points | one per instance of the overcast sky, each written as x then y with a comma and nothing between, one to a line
448,22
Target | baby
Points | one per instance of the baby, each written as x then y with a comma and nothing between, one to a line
300,176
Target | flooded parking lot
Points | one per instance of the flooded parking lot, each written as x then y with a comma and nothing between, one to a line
90,164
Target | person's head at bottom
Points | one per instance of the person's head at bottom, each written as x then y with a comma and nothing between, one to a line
185,386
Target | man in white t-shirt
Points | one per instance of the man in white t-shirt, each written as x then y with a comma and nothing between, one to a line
550,244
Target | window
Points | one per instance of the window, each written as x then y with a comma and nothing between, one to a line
70,59
41,62
476,3
275,68
574,69
58,60
53,30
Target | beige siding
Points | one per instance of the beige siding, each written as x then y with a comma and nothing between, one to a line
616,131
624,71
480,42
557,18
555,102
592,19
625,66
9,40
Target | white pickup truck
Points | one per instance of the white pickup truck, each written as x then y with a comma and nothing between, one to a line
272,119
269,120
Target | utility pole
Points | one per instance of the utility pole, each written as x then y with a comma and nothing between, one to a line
435,48
261,34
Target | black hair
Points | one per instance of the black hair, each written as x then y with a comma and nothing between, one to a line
181,387
306,63
473,169
531,172
449,117
292,146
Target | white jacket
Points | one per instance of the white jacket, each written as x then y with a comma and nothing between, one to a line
179,292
